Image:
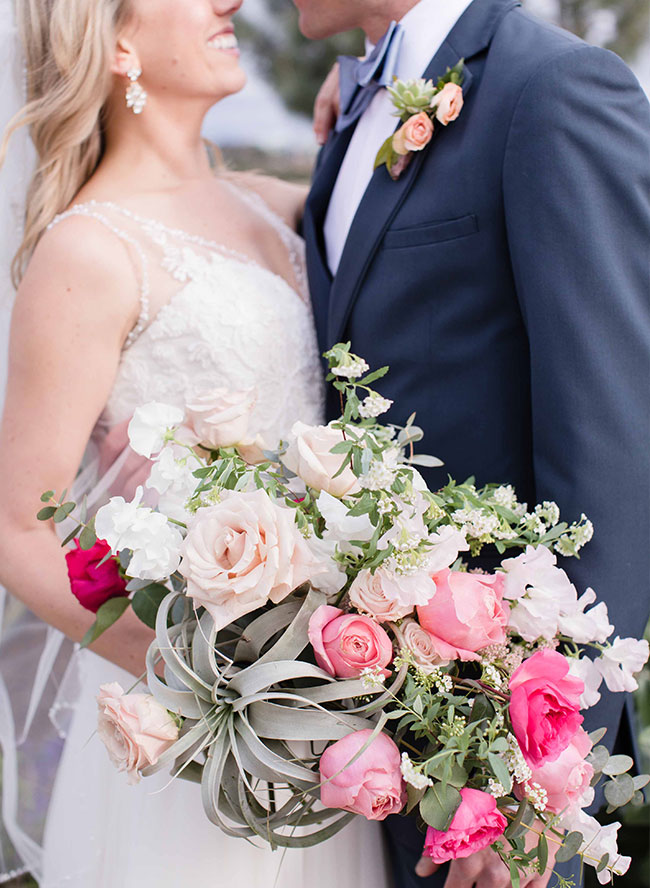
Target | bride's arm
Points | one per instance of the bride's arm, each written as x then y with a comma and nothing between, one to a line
74,308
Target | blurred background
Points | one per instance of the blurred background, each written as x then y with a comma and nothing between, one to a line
268,127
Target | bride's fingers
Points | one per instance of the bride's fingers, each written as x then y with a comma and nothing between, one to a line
425,867
327,106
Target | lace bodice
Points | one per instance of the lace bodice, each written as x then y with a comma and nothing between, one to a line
226,321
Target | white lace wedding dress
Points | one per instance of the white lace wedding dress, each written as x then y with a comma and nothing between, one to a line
227,322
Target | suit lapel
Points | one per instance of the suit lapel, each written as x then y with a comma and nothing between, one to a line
383,197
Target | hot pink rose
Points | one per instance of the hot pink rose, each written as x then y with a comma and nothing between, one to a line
414,135
346,644
476,824
93,583
449,103
567,780
135,729
544,706
372,785
466,614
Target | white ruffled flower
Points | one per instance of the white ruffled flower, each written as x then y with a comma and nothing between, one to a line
446,544
586,670
341,527
597,841
171,477
149,427
618,663
586,626
154,542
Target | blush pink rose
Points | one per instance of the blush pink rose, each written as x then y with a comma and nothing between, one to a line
419,643
242,553
376,594
544,706
372,785
477,823
346,644
221,418
135,729
414,135
567,779
309,456
449,103
466,614
92,582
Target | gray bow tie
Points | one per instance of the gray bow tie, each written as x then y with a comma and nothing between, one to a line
360,79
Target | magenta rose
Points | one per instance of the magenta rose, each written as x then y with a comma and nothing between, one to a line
544,706
476,824
466,614
346,644
93,583
372,785
567,780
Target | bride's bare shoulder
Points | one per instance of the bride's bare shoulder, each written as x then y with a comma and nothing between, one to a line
287,199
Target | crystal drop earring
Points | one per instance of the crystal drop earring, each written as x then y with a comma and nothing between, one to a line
136,97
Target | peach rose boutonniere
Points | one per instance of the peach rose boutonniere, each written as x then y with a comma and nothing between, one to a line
420,105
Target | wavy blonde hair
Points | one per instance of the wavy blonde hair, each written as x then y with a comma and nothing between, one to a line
69,46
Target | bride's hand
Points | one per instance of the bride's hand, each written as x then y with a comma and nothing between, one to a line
327,106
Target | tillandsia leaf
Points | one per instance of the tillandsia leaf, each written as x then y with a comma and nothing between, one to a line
108,613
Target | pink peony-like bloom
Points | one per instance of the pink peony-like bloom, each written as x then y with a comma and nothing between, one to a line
242,553
477,823
221,418
466,614
449,103
135,729
372,785
346,644
309,456
567,779
92,582
414,135
420,644
544,706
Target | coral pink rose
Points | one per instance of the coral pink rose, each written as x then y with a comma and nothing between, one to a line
449,103
544,706
346,644
92,582
221,418
466,614
135,729
414,135
567,780
419,643
309,456
242,553
372,785
477,823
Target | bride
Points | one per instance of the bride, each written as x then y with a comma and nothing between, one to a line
142,276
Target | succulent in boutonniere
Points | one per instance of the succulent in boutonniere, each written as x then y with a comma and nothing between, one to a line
420,104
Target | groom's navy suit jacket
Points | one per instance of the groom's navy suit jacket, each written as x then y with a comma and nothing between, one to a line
505,278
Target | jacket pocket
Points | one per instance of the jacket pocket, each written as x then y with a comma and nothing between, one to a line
430,233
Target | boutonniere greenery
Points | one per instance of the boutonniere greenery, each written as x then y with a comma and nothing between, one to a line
420,104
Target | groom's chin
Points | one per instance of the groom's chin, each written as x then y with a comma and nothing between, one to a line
313,20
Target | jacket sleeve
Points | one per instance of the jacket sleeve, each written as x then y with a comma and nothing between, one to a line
577,204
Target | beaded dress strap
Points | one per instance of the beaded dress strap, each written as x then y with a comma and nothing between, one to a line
90,212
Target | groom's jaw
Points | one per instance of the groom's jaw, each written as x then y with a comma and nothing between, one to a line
319,19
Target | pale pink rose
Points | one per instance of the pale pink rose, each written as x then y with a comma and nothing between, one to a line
567,779
421,646
242,553
135,729
309,456
372,785
477,823
544,706
221,418
449,103
388,597
414,135
346,644
466,614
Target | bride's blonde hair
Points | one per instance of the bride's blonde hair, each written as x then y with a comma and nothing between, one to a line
68,47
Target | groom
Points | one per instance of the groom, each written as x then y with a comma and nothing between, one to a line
505,279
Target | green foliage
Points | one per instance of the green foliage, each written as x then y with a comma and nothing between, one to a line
146,602
107,614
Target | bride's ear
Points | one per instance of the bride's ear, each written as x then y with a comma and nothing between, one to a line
125,58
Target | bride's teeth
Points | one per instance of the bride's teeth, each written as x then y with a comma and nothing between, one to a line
224,41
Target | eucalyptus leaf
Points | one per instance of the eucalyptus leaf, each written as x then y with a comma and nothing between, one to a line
88,538
439,804
107,614
542,853
63,512
46,513
570,847
598,758
618,764
146,602
620,790
597,735
641,780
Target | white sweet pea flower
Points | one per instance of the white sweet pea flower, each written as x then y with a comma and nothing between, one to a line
328,575
447,544
598,840
586,626
171,477
619,663
115,521
149,426
341,527
586,670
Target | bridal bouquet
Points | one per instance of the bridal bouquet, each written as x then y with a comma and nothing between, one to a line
324,648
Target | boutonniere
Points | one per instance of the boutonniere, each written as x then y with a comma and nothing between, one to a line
420,104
